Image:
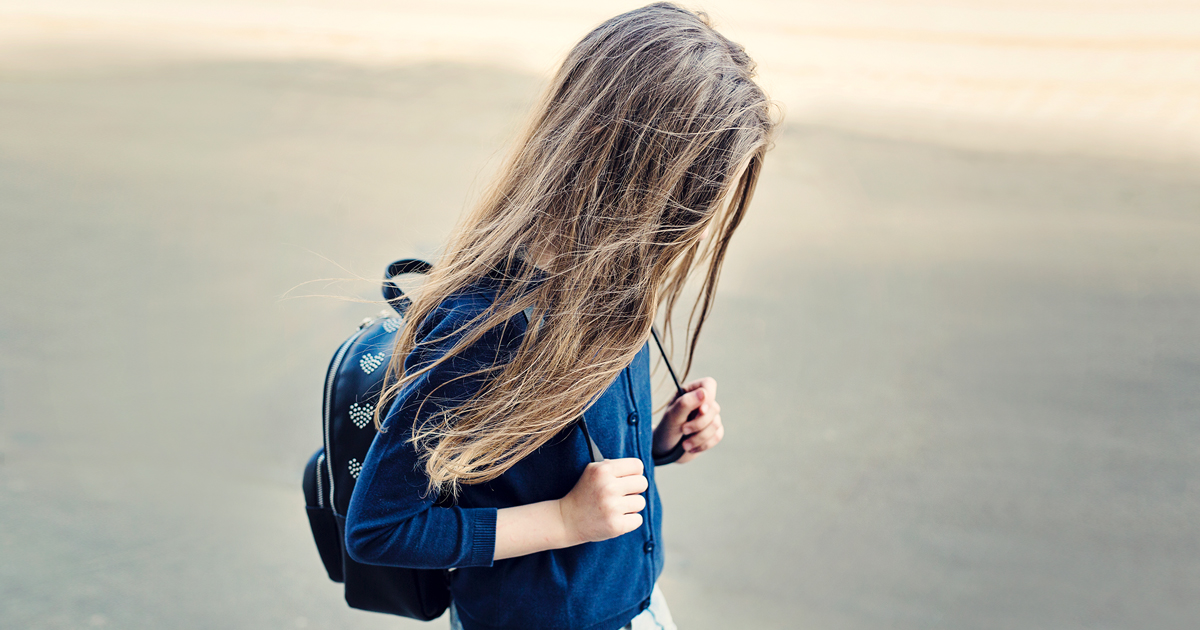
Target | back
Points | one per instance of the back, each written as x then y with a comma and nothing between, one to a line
392,520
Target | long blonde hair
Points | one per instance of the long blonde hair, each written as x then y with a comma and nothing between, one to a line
652,130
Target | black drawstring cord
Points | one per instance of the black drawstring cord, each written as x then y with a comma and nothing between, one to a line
678,451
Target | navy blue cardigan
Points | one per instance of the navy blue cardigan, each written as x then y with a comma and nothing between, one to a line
392,520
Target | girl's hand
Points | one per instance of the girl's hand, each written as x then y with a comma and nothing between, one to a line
703,432
605,501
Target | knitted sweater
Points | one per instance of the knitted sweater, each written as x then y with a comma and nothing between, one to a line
393,521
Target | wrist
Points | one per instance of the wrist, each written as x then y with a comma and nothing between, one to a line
565,535
661,444
530,528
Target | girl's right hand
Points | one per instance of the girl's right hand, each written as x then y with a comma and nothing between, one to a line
606,501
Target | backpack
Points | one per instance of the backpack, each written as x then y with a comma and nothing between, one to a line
353,383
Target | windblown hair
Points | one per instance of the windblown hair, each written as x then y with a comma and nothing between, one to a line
652,130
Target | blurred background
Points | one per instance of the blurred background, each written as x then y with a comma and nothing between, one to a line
957,337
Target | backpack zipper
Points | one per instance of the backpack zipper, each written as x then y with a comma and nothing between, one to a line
320,486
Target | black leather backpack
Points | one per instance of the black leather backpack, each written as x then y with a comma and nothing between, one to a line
353,383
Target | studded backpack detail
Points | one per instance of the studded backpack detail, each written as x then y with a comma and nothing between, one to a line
353,384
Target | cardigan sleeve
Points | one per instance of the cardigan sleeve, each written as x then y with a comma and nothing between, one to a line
392,519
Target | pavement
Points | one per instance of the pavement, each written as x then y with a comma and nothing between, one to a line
960,373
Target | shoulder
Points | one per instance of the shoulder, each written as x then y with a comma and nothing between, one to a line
449,373
459,309
461,315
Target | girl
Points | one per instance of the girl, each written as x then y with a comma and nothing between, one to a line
636,168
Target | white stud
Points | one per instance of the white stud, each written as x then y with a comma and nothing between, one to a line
360,415
369,362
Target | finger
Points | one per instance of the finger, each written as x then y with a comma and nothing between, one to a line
630,522
625,466
701,437
713,441
698,424
632,504
708,412
683,405
633,484
708,383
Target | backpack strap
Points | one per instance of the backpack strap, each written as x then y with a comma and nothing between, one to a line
597,456
391,292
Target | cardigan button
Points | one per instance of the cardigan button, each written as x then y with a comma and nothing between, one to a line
649,546
632,418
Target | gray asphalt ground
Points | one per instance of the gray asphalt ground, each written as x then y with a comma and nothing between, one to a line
961,387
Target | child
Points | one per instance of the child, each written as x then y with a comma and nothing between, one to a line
636,169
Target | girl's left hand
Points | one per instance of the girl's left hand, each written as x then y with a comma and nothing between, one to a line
703,432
